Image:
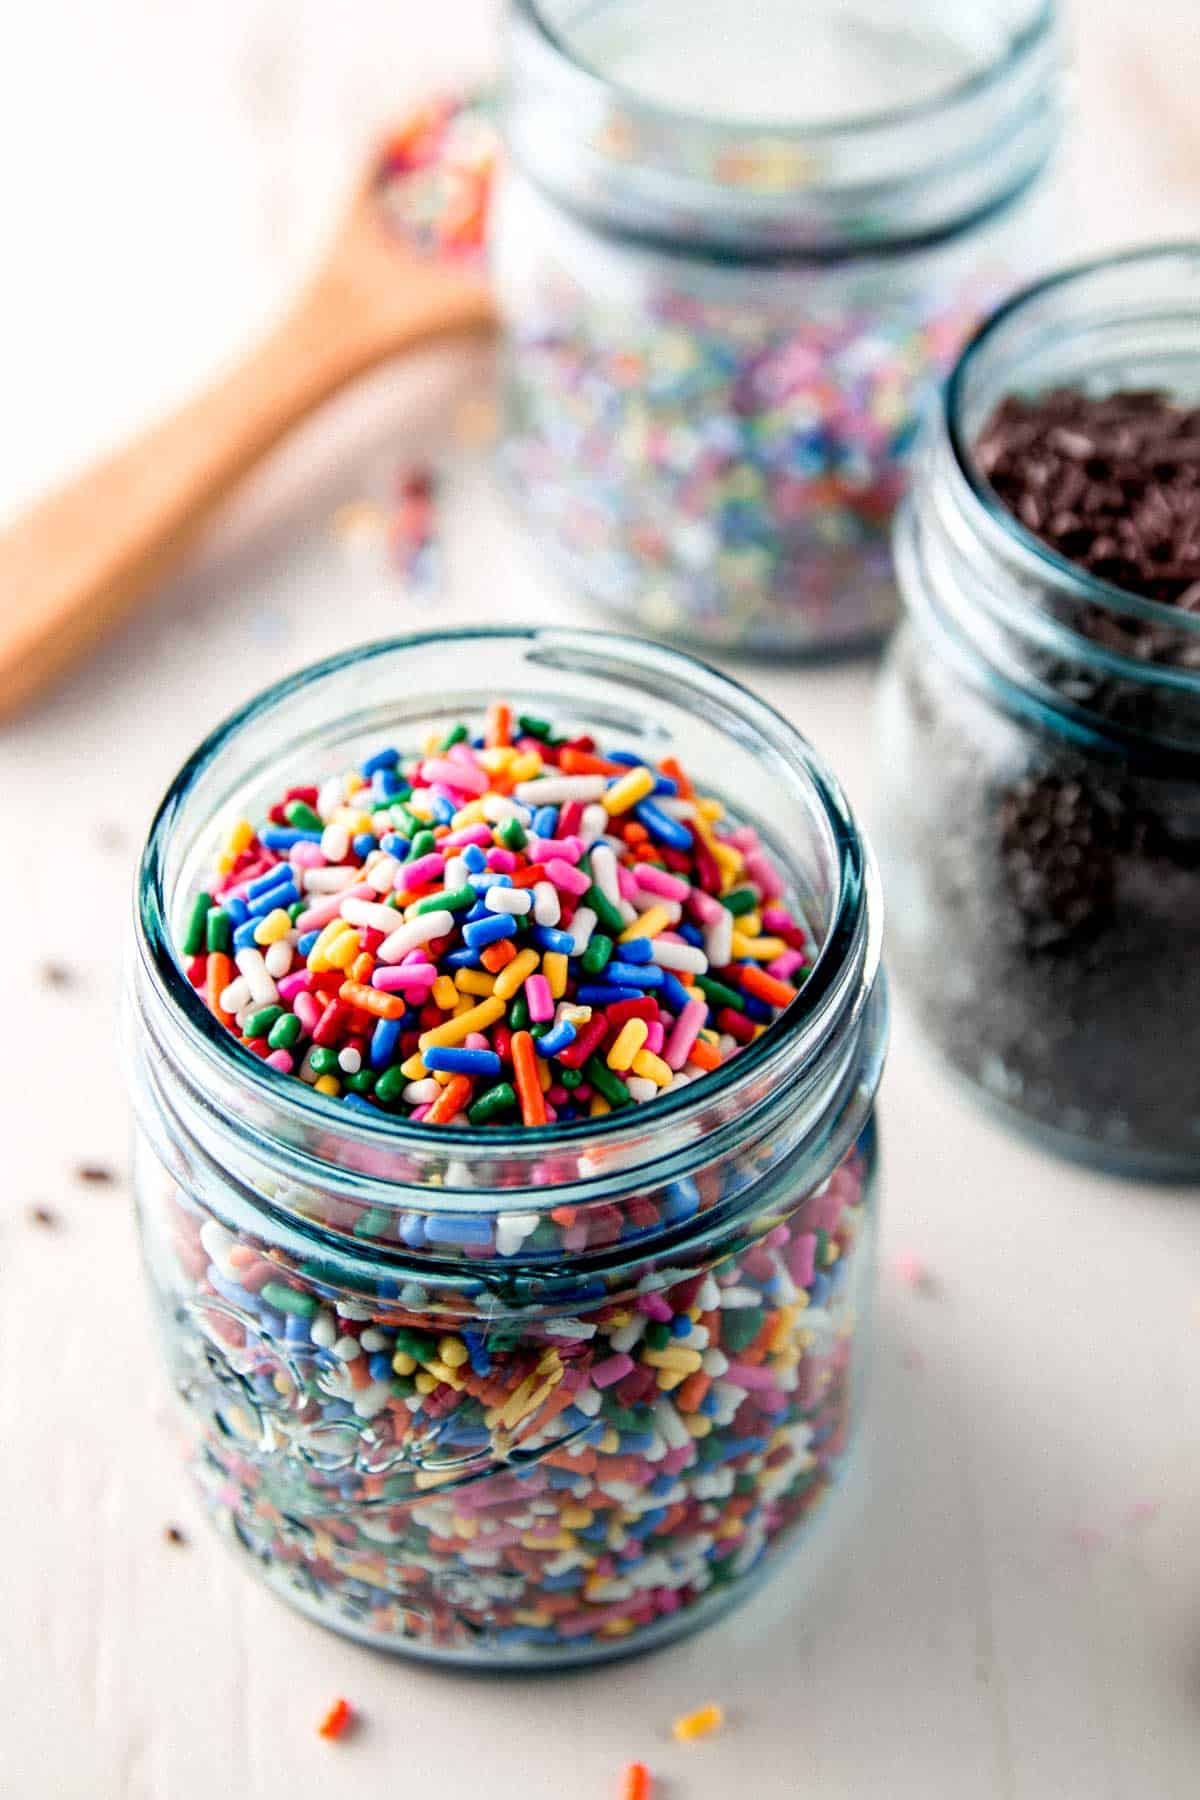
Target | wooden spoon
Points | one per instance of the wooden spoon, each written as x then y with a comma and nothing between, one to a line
82,559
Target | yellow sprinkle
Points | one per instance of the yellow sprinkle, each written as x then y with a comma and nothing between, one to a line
453,1351
576,1518
526,766
750,923
317,955
698,1425
478,1018
511,976
598,1107
238,838
445,994
342,952
414,1069
424,1382
653,1068
649,924
708,808
445,1373
757,949
470,814
465,1528
403,1363
328,1084
630,1039
610,1443
577,1015
698,1724
473,981
554,968
562,1540
496,757
683,1361
276,925
545,1078
728,856
628,791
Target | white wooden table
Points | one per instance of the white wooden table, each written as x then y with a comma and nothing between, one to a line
1019,1618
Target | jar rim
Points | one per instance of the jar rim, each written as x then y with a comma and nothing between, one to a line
992,518
971,87
849,950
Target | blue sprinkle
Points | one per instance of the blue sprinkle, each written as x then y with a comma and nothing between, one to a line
282,837
388,784
756,1009
479,933
680,1325
623,974
691,934
395,845
637,950
379,1367
455,1061
602,995
458,1228
384,1040
681,1201
673,993
283,894
550,939
629,759
462,959
444,810
412,1229
545,822
357,1101
554,1041
477,912
243,936
364,843
382,759
306,943
662,827
475,859
236,908
281,874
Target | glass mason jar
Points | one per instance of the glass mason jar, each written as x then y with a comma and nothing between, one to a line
720,328
506,1394
1040,757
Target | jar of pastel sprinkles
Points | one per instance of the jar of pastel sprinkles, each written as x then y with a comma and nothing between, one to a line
510,1223
735,246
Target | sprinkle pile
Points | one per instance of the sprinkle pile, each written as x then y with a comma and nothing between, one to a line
510,927
435,173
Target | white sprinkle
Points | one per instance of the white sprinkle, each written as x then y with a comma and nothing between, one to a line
331,880
382,874
347,1349
366,912
350,1060
514,901
418,931
422,1093
670,955
330,797
604,874
498,807
546,908
251,964
512,1229
278,958
323,1330
718,940
593,824
456,874
582,926
556,790
640,1088
236,997
371,1400
335,843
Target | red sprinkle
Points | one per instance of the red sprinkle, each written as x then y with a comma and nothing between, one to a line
337,1720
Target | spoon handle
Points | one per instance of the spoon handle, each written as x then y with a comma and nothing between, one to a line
80,561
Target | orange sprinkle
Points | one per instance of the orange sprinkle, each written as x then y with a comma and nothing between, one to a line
363,967
583,762
451,1100
337,1720
218,973
637,1783
497,956
528,1084
670,766
372,1000
704,1055
766,987
498,732
635,832
529,878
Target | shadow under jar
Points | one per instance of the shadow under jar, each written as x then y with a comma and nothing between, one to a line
405,1353
1040,756
734,248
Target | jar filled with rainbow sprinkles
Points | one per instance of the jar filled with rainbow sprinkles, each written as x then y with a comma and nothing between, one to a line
505,1021
734,247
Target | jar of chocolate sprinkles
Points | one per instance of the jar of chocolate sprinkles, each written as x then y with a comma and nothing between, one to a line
1039,716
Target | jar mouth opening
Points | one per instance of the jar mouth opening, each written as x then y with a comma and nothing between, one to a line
974,86
1047,570
849,944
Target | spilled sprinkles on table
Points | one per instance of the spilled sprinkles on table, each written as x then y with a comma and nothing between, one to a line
507,926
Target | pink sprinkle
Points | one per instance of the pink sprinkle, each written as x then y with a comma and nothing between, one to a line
404,977
684,1033
657,881
612,1369
762,873
279,1059
654,1307
785,966
654,1037
417,874
461,776
503,861
570,849
476,1041
778,918
912,1271
704,907
294,984
750,1377
565,878
307,856
418,1112
307,1009
743,837
470,834
627,886
319,915
1142,1511
541,1000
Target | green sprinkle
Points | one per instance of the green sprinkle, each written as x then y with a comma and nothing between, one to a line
421,845
498,1099
658,1334
534,727
323,1061
362,1082
606,1083
512,834
197,925
740,1325
457,734
518,1014
741,900
458,901
718,993
286,1299
284,1031
373,1223
595,957
301,817
606,913
571,1078
418,1344
406,823
296,908
218,930
260,1022
391,1085
540,1030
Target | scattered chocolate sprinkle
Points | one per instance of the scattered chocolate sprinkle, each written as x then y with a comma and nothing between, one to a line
98,1174
175,1535
45,1216
56,975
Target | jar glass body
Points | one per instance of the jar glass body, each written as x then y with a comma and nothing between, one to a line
493,1396
1040,764
719,337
